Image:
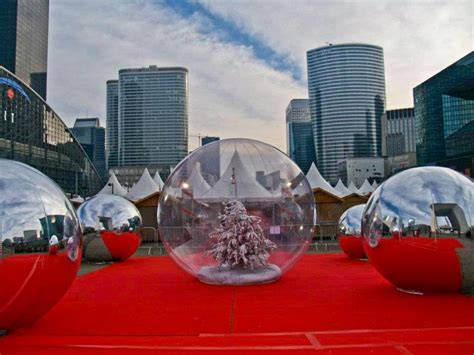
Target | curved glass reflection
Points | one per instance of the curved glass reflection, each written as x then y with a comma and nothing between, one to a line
351,220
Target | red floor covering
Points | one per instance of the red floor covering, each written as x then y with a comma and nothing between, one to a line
326,304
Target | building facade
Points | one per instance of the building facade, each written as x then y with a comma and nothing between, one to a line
208,139
346,86
24,40
91,136
112,123
32,133
444,117
398,132
356,170
152,118
299,134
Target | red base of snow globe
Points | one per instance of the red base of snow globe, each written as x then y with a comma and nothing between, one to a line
31,285
352,246
418,264
121,245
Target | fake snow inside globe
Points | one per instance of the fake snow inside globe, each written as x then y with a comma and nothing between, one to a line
418,230
111,227
40,244
236,211
349,232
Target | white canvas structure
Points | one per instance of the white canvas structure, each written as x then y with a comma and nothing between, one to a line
365,189
157,179
143,188
342,189
117,188
316,181
237,179
197,183
352,188
374,185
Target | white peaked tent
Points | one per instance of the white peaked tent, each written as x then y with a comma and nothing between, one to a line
316,180
157,179
117,188
197,183
143,188
365,189
352,188
342,189
374,185
236,178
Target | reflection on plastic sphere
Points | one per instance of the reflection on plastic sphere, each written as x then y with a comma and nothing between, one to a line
40,244
236,211
111,228
349,233
418,227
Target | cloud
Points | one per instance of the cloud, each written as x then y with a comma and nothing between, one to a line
419,38
232,92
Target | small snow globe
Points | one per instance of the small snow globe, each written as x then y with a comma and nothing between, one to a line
417,230
349,232
236,211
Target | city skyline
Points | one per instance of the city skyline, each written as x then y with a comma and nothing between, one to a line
243,71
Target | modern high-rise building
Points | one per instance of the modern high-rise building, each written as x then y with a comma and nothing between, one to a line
152,120
91,136
24,41
208,139
112,123
346,86
299,134
444,117
398,132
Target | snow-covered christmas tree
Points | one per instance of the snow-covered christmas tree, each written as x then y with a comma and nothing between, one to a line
239,241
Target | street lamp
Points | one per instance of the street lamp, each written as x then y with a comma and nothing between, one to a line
112,185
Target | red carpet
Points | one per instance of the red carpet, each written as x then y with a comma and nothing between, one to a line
327,304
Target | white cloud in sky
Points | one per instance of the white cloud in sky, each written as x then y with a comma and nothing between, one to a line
233,92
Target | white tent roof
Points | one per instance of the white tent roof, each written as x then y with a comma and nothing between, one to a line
365,189
197,183
341,188
316,180
143,188
117,188
352,188
237,178
374,185
157,179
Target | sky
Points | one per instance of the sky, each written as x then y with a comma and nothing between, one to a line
246,58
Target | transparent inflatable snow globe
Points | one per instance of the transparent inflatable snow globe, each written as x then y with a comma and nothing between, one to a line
418,228
111,227
40,244
349,232
236,211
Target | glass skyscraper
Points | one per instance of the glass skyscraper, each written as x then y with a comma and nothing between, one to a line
112,124
299,134
24,41
152,119
32,133
398,132
91,136
444,117
346,86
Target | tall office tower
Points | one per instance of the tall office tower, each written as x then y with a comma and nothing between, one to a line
444,117
299,134
152,120
112,123
91,136
208,139
346,85
398,132
24,41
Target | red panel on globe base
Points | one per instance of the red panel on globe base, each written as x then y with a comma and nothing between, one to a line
31,285
420,264
10,93
352,246
121,245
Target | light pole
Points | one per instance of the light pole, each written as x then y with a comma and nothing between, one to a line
112,185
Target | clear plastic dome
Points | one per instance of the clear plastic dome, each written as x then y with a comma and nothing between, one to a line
236,211
418,227
111,226
40,241
349,232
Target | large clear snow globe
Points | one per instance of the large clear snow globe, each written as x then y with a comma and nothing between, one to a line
40,244
236,211
111,227
418,230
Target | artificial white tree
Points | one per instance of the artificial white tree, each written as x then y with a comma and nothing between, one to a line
239,241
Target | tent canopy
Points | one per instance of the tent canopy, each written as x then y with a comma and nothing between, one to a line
316,181
113,185
143,188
